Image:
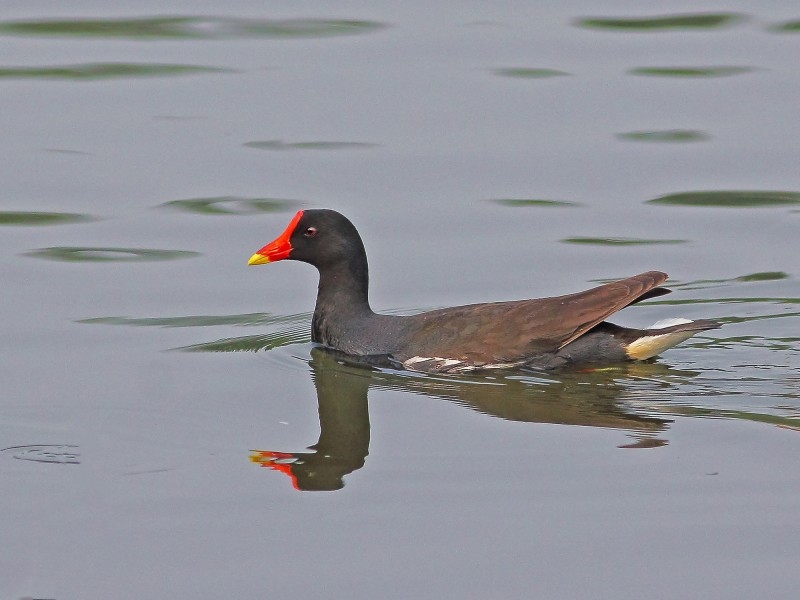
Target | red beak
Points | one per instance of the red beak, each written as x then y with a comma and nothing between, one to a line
278,249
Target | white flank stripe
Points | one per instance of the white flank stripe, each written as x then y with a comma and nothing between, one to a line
430,364
415,359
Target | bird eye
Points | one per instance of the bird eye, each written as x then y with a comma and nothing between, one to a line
310,232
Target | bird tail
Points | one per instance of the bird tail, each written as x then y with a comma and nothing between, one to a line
665,334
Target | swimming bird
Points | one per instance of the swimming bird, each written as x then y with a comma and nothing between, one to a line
543,333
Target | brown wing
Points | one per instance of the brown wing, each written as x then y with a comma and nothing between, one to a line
597,304
512,330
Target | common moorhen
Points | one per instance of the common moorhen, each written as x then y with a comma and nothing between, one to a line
543,333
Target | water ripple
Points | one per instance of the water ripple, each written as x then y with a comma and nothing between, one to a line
231,205
318,145
98,71
61,454
254,343
528,73
693,72
189,28
245,320
665,135
619,241
730,198
532,202
33,218
107,254
693,21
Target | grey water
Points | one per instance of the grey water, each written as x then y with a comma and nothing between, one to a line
167,430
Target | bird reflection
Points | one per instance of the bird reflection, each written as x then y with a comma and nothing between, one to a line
344,428
595,399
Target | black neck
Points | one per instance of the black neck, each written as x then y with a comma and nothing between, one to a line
344,287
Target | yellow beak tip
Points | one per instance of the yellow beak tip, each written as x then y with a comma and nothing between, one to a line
257,259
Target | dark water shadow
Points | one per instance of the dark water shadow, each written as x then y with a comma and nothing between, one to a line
676,22
103,71
189,28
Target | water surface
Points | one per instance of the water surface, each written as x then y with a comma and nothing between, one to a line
162,410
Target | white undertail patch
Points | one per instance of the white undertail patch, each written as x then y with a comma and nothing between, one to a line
653,345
